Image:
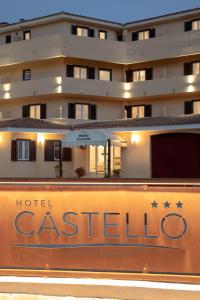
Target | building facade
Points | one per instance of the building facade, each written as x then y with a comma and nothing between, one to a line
107,97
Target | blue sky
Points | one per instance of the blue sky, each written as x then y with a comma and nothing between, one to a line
113,10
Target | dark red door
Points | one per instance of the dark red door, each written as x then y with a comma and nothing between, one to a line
175,155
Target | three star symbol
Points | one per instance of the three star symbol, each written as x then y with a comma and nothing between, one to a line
166,204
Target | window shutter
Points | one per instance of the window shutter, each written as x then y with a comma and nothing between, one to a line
43,111
71,111
149,74
93,112
188,107
13,150
25,111
128,111
32,151
120,37
188,69
70,71
148,110
91,73
110,75
152,33
134,36
129,75
91,32
74,30
67,154
188,26
49,150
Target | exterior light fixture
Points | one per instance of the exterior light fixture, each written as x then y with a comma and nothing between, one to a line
135,139
40,138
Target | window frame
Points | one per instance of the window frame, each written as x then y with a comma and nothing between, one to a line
80,67
24,35
35,112
143,32
102,31
107,70
24,74
23,141
138,71
138,106
198,24
82,104
82,27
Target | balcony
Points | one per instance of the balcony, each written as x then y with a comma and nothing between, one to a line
101,89
63,45
186,43
62,85
168,86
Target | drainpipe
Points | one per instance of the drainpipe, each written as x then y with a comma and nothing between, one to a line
109,158
60,161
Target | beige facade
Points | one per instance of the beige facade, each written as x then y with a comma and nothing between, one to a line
64,71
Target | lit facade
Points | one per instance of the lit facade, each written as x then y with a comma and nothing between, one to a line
136,83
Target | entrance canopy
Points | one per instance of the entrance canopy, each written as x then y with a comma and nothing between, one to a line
77,138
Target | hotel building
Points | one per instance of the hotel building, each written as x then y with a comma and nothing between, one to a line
108,97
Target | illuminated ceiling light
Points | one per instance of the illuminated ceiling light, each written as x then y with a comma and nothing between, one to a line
135,139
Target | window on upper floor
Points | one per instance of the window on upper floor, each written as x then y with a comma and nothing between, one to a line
82,31
102,34
192,68
192,25
192,107
139,75
8,39
105,74
26,74
35,111
143,34
80,72
82,111
138,111
23,150
27,35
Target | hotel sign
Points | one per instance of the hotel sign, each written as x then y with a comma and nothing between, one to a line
101,228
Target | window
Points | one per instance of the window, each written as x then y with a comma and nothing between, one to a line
82,112
8,39
57,150
27,74
105,75
52,150
196,107
80,72
138,111
22,149
27,35
102,35
196,68
196,25
81,31
143,35
139,75
35,111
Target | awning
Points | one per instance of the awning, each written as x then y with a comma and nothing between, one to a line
77,138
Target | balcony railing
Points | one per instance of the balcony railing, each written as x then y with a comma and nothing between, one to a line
101,89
